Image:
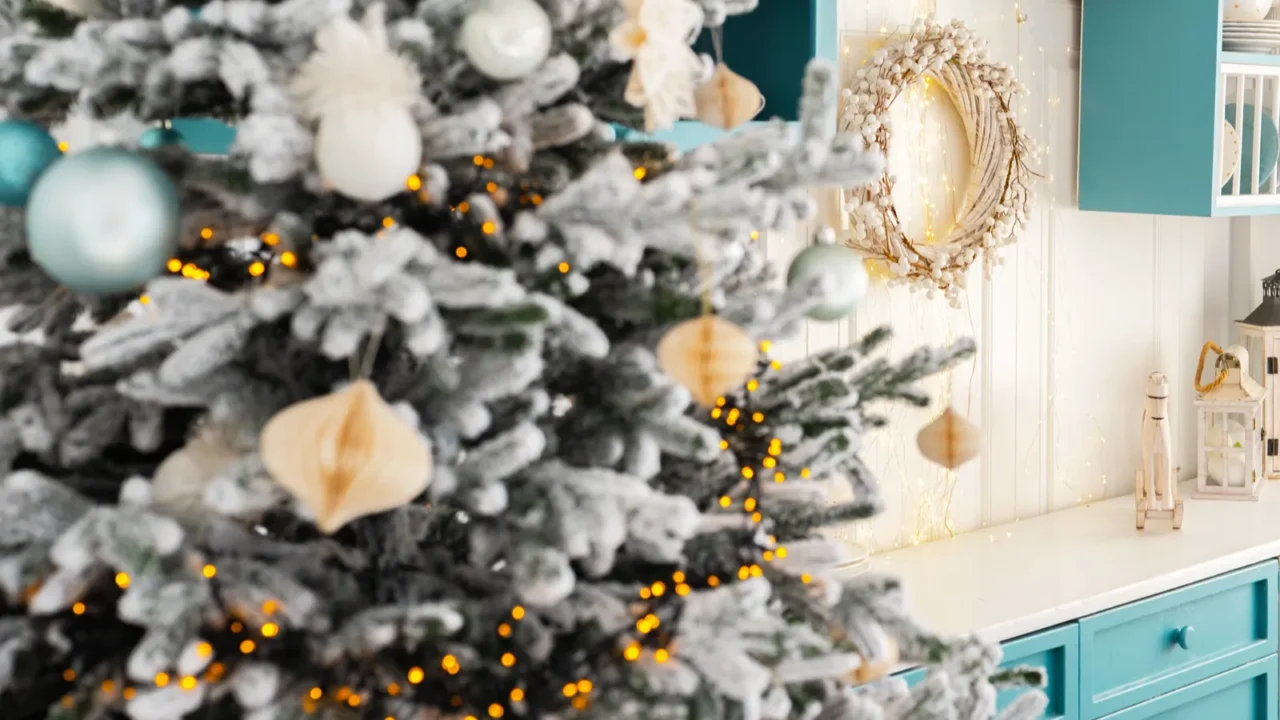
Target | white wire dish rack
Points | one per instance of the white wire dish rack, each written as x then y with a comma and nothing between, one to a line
1177,117
1248,140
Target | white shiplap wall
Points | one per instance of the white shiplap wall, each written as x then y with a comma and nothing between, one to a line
1084,308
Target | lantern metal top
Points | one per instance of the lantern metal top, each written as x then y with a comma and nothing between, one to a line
1268,313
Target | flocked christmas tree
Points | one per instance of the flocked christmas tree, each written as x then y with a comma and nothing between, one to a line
430,400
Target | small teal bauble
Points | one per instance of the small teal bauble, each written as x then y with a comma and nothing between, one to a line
26,151
158,137
103,221
844,265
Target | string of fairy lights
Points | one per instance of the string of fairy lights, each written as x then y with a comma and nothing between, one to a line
926,494
250,633
289,258
646,639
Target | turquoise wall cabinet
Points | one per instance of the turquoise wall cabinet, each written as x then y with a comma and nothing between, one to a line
770,47
1202,652
1155,90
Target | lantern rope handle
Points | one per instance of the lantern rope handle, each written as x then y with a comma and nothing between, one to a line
1222,374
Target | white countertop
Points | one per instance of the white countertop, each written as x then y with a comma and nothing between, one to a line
1009,580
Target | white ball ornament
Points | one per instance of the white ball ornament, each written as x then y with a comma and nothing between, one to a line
368,152
506,39
362,93
845,267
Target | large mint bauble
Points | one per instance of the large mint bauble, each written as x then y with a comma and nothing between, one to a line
506,39
26,151
103,221
844,266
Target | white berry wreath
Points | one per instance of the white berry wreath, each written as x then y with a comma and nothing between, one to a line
997,199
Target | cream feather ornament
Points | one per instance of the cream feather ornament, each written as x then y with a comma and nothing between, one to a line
346,455
665,71
362,93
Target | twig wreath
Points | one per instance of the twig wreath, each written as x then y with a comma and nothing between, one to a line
997,199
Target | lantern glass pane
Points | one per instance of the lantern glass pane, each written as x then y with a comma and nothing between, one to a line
1257,355
1226,446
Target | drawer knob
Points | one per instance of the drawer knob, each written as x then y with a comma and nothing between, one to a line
1183,636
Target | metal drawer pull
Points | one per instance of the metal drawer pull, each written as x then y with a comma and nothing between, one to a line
1183,636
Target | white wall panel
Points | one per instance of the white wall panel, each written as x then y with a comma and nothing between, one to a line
1085,306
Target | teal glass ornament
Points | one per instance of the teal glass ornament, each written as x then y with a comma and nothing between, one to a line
158,137
26,151
103,221
840,262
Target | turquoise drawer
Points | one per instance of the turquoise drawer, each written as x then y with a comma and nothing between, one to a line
1057,651
1155,646
1246,693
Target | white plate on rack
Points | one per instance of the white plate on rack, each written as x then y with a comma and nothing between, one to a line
1260,49
1258,45
1230,152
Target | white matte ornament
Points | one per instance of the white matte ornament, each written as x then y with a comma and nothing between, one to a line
346,455
849,278
506,39
368,153
362,92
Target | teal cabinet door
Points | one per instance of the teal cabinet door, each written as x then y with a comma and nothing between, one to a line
1056,651
1246,693
1152,647
1147,139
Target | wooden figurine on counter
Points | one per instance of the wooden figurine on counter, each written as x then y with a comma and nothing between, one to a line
1156,489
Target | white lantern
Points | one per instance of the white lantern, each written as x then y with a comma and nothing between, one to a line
1260,336
1230,429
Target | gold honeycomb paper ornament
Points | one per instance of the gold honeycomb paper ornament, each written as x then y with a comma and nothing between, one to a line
346,455
708,356
728,100
950,441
